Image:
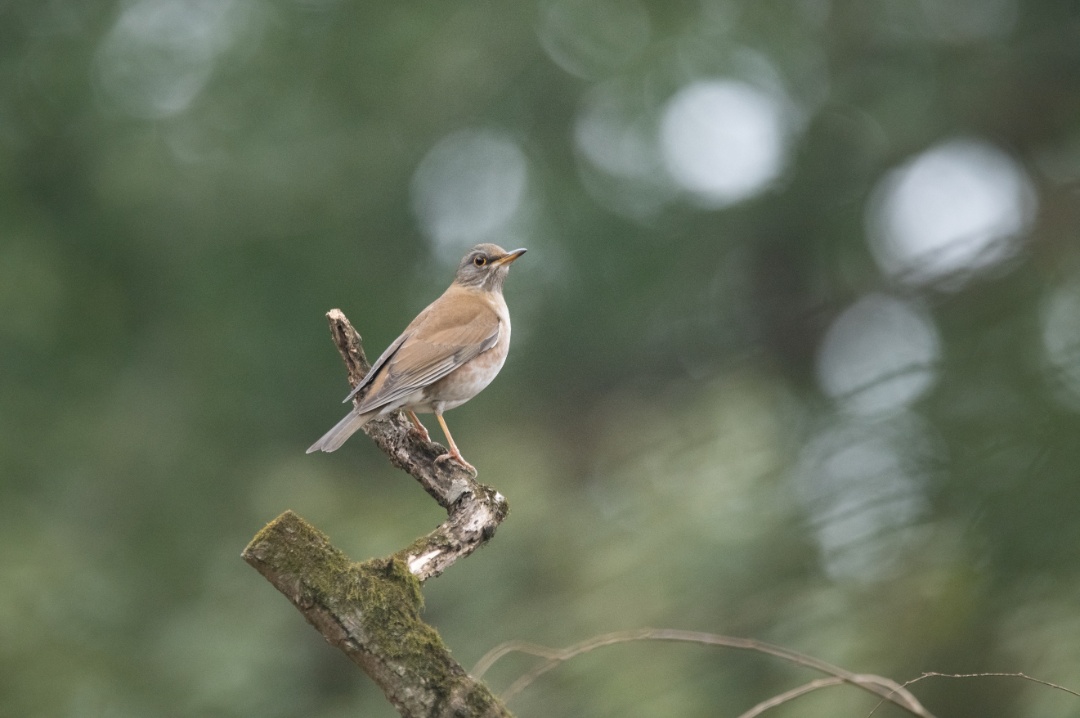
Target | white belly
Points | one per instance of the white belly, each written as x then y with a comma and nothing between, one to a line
467,381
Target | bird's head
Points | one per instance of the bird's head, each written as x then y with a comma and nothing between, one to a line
485,267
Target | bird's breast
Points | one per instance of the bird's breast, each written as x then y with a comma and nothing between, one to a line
471,378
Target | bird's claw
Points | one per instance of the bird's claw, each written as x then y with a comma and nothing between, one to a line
418,428
459,459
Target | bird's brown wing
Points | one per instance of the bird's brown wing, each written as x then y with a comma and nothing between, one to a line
441,339
376,368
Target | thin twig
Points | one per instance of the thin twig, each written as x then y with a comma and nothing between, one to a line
1026,677
868,681
883,688
792,695
991,674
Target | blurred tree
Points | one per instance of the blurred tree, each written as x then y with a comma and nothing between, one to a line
795,345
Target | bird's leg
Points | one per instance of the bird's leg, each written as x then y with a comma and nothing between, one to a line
423,432
454,453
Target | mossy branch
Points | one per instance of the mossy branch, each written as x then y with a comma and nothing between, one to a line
371,610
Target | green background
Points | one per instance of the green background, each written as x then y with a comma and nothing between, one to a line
187,186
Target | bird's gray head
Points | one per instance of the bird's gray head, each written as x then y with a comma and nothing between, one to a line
485,267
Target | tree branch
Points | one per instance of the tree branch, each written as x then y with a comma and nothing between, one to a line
885,688
371,610
474,510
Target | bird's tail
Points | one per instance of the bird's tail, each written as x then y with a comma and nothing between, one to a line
342,430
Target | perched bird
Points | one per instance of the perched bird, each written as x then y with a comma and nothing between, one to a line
446,356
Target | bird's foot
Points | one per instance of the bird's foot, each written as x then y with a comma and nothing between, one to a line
419,428
459,459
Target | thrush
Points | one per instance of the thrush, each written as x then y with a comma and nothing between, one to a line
446,356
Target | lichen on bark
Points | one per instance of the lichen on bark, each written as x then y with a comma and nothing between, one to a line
371,610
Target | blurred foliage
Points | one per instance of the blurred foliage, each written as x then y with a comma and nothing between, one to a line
796,350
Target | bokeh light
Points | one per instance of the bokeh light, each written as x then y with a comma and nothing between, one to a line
723,141
615,136
160,54
958,208
1061,342
862,485
592,38
467,189
878,356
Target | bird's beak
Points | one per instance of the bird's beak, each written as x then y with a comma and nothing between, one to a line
508,257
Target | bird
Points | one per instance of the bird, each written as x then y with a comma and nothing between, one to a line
447,355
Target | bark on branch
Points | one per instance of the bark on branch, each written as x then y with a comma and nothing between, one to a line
474,510
371,610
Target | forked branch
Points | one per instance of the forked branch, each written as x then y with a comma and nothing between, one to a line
371,610
474,510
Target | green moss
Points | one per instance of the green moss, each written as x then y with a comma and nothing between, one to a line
479,701
424,545
387,599
382,594
294,547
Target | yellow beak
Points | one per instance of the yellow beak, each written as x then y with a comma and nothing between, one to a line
508,257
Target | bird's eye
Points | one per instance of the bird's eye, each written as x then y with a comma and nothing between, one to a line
479,260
